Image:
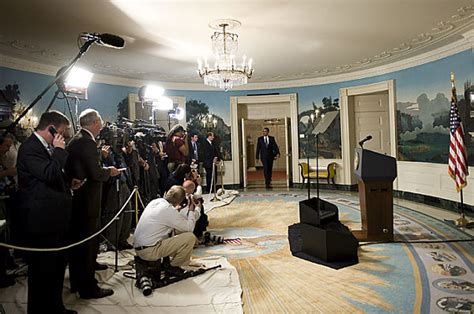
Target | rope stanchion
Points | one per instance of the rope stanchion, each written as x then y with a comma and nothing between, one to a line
140,199
73,244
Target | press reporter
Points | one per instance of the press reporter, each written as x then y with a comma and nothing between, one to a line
44,208
83,163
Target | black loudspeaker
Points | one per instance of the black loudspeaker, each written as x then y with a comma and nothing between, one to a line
317,212
333,246
332,243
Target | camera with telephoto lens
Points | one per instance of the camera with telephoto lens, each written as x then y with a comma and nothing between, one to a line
145,285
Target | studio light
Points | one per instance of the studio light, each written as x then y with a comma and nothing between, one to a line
76,82
150,93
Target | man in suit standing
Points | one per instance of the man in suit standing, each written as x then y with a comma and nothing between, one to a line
83,163
267,152
44,205
210,155
193,157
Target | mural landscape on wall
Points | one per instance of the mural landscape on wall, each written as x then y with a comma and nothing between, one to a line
423,128
196,112
325,121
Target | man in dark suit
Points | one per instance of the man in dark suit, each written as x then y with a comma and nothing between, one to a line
210,155
267,152
44,205
193,156
83,163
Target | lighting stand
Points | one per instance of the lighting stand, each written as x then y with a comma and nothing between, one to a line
117,186
71,64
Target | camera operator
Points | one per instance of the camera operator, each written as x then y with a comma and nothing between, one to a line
161,160
176,147
156,235
178,176
195,192
113,200
83,163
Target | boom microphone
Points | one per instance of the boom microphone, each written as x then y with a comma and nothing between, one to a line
106,40
367,138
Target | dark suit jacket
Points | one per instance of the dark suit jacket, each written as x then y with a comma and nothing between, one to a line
191,154
44,197
267,152
208,152
84,163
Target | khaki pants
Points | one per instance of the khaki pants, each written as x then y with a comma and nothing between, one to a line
179,248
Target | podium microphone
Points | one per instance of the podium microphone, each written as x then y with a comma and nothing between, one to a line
367,138
106,40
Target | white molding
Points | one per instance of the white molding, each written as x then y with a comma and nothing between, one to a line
436,54
347,141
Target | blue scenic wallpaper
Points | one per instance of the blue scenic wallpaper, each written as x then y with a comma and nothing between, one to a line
422,93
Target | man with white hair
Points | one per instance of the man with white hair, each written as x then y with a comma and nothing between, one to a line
83,163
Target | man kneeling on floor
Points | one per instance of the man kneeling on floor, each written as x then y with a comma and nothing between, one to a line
163,232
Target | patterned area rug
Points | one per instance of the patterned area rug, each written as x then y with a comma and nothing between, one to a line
391,277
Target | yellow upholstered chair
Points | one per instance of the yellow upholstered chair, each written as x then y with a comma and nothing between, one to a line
308,173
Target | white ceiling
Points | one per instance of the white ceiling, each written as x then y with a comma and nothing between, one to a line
288,40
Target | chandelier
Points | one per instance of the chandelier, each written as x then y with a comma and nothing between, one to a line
226,73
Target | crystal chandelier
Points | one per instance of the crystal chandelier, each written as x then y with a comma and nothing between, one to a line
226,73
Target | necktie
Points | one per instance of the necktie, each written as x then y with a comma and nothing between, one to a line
266,141
195,150
50,150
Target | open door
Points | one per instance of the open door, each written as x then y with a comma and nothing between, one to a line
244,153
288,154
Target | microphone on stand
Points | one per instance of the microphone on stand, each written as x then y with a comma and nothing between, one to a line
367,138
106,40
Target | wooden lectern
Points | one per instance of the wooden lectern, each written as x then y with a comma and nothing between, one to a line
376,173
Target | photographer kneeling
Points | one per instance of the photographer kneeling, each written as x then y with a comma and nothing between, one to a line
155,236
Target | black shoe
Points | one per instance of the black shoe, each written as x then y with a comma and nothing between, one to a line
97,293
98,266
67,311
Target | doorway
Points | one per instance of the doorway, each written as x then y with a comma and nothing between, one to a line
252,170
281,115
367,110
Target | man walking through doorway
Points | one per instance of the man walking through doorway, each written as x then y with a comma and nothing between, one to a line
267,152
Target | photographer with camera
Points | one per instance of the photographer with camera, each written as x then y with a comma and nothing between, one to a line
156,235
194,191
176,147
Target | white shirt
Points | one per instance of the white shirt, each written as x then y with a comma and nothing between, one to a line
265,139
158,220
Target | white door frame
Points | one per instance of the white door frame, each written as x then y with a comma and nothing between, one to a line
235,101
348,141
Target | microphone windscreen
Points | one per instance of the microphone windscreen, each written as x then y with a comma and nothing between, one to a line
112,41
